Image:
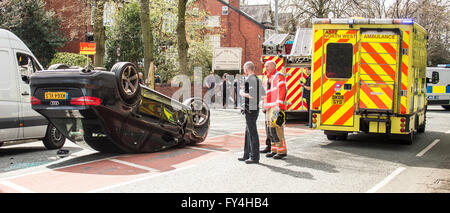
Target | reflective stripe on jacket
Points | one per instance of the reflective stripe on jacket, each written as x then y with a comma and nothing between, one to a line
276,91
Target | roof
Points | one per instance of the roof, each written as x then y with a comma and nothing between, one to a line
243,14
260,13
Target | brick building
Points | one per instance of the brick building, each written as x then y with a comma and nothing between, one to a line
238,29
75,15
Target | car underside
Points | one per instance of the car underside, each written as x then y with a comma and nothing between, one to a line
112,112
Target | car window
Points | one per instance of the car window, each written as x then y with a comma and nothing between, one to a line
27,65
339,60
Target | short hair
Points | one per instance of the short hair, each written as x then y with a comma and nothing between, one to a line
249,65
271,62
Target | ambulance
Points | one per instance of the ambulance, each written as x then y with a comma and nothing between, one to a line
369,75
292,55
439,93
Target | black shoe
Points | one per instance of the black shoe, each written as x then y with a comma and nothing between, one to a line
242,159
265,150
270,154
251,161
279,156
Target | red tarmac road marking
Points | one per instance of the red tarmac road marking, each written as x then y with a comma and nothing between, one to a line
79,178
107,172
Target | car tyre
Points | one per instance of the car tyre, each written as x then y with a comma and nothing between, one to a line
127,81
200,119
53,138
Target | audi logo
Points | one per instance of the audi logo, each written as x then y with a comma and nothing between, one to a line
54,103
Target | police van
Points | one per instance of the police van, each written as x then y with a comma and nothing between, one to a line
18,121
369,75
439,93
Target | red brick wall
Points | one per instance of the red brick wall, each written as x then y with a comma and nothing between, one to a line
238,31
73,13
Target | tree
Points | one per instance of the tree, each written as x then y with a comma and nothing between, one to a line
147,35
125,34
38,28
183,45
99,32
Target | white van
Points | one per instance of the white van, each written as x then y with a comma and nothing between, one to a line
17,120
439,93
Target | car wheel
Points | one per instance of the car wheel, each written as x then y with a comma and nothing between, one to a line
200,112
53,138
127,81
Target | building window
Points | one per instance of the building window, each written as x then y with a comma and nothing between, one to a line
339,60
212,21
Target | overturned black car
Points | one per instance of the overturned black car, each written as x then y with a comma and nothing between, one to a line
112,112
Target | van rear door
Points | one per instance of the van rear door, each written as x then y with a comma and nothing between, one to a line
378,70
339,77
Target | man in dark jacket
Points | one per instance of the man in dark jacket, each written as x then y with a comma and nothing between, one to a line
252,93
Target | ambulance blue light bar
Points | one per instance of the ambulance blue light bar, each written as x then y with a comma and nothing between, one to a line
444,65
352,21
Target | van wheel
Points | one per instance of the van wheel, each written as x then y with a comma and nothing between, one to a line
127,81
446,107
53,138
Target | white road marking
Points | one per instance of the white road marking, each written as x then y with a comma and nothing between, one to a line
448,132
203,149
134,165
386,180
140,179
420,154
16,187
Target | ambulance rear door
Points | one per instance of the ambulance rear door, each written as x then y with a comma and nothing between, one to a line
378,70
338,84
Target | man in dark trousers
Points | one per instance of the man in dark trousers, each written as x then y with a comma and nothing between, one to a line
307,89
252,93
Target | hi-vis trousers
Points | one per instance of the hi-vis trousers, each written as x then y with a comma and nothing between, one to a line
276,134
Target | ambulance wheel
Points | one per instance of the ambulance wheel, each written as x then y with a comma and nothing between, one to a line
342,137
408,139
332,137
421,128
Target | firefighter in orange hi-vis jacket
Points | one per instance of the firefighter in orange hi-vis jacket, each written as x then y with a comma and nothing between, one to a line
274,104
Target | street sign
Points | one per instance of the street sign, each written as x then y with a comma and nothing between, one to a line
87,48
227,58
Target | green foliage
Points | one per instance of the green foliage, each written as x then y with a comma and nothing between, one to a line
70,59
126,34
39,29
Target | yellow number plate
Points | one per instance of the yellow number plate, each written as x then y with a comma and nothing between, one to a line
338,99
56,95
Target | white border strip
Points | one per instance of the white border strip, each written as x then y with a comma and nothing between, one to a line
386,180
134,165
140,179
16,187
420,154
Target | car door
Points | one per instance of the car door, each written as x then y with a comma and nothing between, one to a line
33,125
9,100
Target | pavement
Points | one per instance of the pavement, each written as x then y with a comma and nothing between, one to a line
362,164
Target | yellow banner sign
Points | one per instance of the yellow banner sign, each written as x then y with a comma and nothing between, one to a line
87,48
